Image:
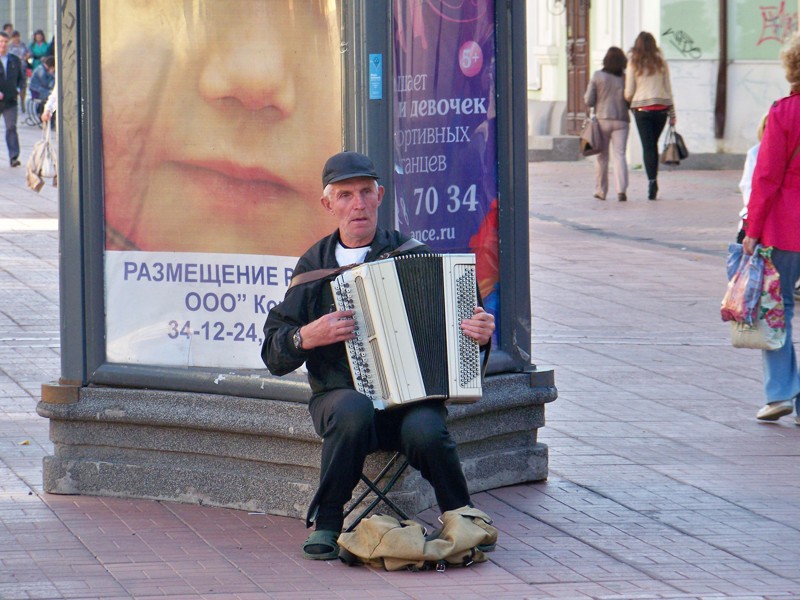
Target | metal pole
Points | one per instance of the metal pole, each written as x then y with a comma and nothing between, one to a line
720,106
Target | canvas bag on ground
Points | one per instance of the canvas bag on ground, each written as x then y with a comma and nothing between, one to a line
43,162
670,154
768,331
591,136
383,541
745,280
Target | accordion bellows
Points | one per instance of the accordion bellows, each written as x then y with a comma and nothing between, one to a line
409,345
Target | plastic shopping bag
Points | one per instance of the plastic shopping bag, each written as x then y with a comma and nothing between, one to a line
768,331
744,286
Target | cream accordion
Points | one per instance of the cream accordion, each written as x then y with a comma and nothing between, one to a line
409,345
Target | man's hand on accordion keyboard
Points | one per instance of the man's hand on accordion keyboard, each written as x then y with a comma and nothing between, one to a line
337,326
480,326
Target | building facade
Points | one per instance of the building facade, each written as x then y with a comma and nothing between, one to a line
29,15
723,57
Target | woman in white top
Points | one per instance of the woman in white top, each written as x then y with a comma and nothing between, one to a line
746,183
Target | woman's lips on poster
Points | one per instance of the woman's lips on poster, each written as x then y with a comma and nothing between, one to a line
251,184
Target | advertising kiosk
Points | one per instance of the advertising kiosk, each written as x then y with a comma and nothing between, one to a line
192,139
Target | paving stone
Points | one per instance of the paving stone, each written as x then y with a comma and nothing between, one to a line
662,485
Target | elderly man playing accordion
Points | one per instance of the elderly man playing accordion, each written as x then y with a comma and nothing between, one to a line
304,328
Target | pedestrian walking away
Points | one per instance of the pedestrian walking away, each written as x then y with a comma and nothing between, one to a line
649,92
605,94
773,219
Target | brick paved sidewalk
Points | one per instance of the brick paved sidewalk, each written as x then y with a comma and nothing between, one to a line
662,484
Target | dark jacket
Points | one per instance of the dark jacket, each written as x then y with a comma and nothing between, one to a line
327,366
41,83
12,79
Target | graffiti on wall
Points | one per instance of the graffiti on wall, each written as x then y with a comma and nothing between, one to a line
682,42
777,23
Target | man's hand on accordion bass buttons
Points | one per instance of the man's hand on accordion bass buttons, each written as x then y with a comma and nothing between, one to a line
337,326
479,326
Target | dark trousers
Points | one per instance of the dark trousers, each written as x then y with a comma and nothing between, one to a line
650,124
12,141
351,429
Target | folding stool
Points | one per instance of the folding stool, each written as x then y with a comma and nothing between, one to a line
400,464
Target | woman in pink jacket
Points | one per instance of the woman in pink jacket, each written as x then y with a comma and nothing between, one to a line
773,219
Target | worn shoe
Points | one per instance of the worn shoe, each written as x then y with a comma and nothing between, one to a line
797,421
321,545
622,197
15,162
652,189
600,196
775,410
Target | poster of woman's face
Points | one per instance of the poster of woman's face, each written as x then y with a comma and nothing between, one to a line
218,116
217,119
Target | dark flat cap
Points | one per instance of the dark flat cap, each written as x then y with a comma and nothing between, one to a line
347,165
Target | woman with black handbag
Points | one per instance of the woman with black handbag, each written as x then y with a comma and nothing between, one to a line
649,92
605,94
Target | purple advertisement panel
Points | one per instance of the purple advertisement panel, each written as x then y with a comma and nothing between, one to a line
445,159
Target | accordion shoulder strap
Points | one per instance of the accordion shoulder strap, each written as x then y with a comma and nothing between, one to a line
485,361
488,350
318,274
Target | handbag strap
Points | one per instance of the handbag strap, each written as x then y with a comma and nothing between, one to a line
318,274
670,136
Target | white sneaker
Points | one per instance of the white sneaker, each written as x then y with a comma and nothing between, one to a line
797,421
775,410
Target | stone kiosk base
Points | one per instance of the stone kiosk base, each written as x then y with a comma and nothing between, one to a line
263,455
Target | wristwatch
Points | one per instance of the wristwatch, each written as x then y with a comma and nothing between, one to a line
297,340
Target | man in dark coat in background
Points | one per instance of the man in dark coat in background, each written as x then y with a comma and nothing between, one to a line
12,77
